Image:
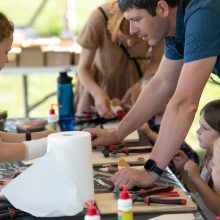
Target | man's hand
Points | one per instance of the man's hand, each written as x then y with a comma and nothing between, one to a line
102,137
133,177
132,94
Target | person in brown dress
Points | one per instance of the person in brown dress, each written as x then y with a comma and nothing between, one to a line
112,62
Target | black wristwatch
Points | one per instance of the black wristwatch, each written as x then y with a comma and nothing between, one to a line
151,166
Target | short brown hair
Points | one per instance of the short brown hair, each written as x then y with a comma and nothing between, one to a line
149,5
6,27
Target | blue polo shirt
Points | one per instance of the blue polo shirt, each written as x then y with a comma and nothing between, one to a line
197,33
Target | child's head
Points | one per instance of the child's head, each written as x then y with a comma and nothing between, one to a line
6,38
209,129
216,164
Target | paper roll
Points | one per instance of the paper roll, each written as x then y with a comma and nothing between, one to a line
60,182
74,152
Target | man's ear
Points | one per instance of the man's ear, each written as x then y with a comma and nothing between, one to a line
162,8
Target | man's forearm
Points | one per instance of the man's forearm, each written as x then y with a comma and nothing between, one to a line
175,124
152,98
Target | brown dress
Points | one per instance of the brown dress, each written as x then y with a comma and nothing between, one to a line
113,70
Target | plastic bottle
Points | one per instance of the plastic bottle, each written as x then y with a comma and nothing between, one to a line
118,111
92,213
52,119
125,211
65,99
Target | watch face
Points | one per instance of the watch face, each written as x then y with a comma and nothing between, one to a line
149,165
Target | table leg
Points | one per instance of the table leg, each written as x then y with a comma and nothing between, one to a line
25,94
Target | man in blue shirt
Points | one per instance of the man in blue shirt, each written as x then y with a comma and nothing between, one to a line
191,30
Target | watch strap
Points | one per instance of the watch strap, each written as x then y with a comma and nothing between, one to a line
157,170
151,166
28,136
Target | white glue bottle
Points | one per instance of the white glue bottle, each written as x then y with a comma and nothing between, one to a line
92,213
125,211
52,119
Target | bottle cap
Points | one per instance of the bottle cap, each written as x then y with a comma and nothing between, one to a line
92,210
52,111
124,194
64,78
120,113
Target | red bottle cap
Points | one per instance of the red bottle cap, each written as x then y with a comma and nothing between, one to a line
91,211
52,111
124,194
120,114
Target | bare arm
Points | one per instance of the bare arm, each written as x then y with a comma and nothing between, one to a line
12,147
154,96
152,135
101,99
12,151
209,197
181,109
19,137
176,121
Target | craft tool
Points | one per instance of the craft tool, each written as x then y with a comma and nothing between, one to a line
125,148
143,192
168,201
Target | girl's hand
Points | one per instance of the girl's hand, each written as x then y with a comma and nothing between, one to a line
132,94
192,170
179,161
103,106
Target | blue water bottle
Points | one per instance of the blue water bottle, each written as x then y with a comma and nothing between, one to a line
65,99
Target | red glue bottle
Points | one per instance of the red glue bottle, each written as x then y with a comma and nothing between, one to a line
52,119
92,213
125,211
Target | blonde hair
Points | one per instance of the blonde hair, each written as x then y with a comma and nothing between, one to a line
6,27
116,22
216,154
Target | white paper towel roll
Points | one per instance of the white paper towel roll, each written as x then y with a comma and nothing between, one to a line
74,152
60,182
